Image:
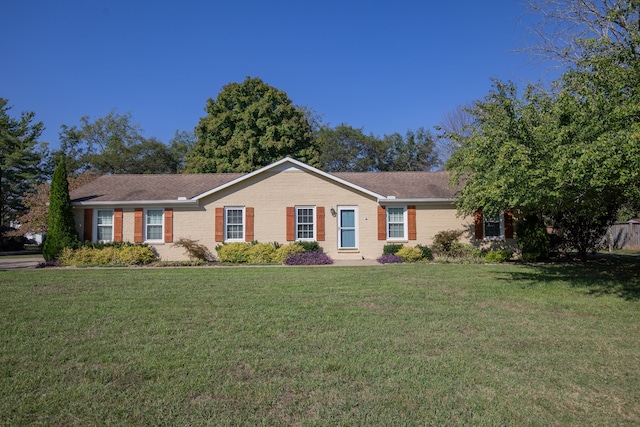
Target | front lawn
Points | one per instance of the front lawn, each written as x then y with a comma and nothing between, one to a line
414,344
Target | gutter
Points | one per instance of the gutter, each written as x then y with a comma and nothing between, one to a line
392,200
164,203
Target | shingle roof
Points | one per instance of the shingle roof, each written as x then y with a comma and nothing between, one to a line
124,188
110,188
403,185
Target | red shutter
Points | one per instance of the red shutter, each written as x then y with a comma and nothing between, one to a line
291,223
168,225
137,225
117,225
248,233
508,225
382,223
478,225
219,225
411,217
88,225
320,223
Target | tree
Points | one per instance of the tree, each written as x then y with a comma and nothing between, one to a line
19,160
181,145
574,31
36,217
114,144
416,151
248,126
550,154
61,231
570,154
459,123
347,149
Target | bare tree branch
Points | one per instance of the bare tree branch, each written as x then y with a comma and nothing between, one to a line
572,31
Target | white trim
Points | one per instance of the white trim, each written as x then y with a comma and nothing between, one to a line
244,223
355,225
137,203
313,223
391,201
405,225
279,166
95,225
484,230
145,226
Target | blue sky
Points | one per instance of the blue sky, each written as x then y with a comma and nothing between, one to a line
387,66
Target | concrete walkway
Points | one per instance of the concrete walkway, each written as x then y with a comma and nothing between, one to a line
355,262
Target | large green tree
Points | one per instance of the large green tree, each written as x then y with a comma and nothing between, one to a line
114,144
248,126
345,149
61,231
180,146
348,149
413,151
19,160
570,154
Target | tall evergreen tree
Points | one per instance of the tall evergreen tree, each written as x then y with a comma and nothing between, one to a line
19,160
61,231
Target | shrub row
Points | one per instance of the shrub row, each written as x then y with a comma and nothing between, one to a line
112,254
272,253
396,252
446,248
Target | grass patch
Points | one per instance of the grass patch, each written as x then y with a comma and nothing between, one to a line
390,345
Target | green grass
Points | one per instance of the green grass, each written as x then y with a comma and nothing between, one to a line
388,345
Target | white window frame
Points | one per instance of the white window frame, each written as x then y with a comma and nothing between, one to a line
405,225
227,209
489,219
312,223
97,226
146,225
355,226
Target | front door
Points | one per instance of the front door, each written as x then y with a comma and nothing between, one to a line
347,227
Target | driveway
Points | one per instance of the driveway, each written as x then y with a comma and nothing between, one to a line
21,263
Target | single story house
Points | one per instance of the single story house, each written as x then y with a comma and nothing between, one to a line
352,215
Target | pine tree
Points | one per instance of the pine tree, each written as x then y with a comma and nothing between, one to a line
61,231
19,160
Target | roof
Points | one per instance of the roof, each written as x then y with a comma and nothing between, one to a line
150,187
191,187
403,185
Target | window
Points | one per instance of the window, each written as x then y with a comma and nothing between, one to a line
347,230
154,224
493,227
234,224
396,223
305,223
104,225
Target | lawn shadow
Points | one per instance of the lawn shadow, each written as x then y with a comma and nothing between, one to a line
602,274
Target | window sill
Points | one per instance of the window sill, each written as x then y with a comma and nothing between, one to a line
349,250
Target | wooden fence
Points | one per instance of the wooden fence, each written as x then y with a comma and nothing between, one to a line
625,235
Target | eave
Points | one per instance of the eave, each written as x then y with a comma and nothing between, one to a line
136,203
394,201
